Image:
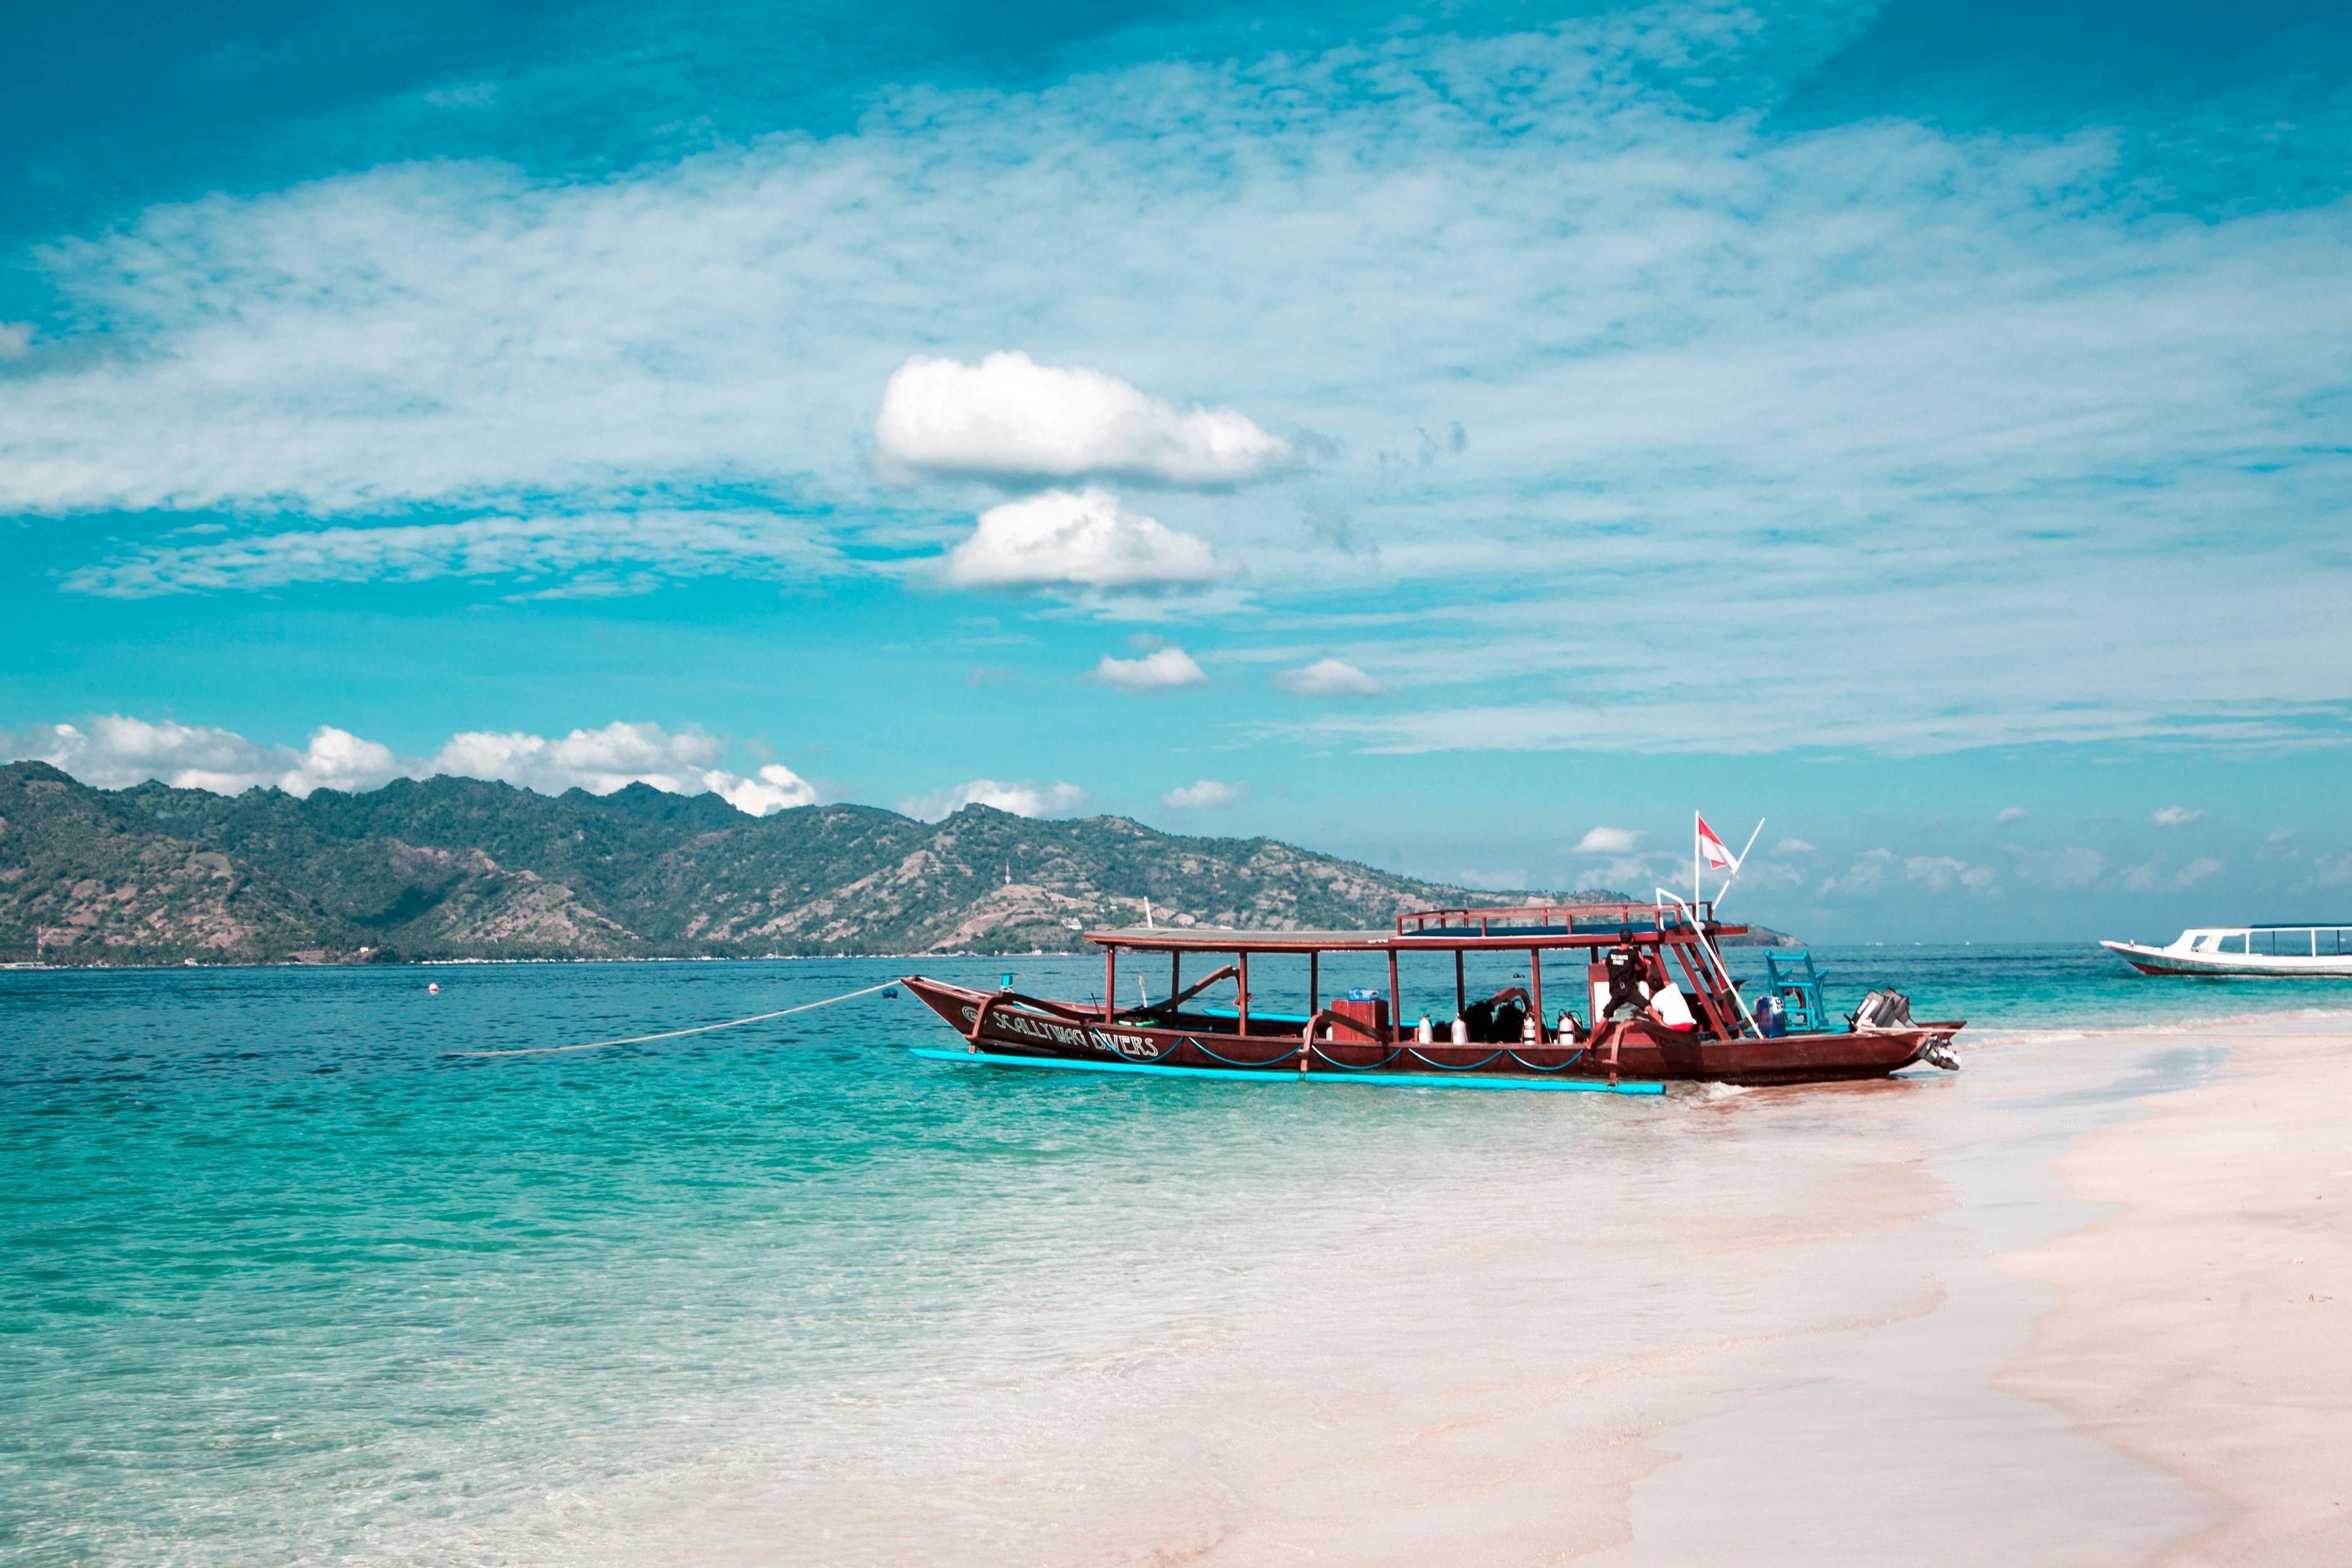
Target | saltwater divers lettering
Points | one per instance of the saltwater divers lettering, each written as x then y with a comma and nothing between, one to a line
1046,1031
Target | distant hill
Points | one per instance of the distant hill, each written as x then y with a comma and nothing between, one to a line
459,868
451,868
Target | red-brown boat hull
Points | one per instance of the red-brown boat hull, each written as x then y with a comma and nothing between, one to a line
1645,1052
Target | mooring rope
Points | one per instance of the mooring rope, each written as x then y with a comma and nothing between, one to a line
681,1034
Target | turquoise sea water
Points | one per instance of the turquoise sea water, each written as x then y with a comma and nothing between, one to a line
288,1279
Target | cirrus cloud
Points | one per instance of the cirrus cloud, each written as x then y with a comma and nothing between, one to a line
1011,418
593,553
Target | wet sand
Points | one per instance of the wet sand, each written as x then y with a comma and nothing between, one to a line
2203,1323
1940,1319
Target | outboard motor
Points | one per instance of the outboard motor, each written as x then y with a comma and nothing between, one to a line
1882,1010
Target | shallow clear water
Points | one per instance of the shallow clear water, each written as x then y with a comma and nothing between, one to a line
285,1278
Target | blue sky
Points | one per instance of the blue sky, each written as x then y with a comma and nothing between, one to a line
1463,438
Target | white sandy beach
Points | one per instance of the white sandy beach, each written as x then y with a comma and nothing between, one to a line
2077,1304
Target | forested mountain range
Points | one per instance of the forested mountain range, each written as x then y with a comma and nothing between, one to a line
453,868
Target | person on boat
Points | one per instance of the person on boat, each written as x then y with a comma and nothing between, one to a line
1668,1007
1629,989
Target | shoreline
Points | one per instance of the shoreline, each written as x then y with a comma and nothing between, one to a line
2201,1320
1773,1326
1812,1339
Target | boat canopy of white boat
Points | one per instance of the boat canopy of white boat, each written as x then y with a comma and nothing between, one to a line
2316,951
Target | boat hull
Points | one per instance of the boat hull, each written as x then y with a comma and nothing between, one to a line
2162,961
1385,1079
1000,1026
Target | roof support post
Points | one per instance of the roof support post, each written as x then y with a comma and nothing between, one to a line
1242,965
1535,979
1111,982
1175,973
1396,1003
1461,992
1313,983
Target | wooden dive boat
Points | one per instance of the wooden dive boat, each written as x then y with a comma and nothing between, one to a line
1649,976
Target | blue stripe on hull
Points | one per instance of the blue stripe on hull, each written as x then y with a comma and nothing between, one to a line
1269,1075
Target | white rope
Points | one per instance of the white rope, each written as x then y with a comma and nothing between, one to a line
681,1033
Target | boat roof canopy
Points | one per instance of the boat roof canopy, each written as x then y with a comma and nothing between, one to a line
1224,939
1501,926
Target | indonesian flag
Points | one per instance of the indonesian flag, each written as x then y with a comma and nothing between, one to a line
1711,846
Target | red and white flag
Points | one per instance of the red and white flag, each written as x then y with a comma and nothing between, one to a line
1712,848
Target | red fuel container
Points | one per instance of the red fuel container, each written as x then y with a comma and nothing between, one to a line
1370,1012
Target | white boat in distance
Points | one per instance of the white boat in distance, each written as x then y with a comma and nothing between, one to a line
2270,952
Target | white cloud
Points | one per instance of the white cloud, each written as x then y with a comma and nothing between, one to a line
1205,796
1607,841
613,758
585,550
1941,873
1026,798
1329,677
337,758
1626,874
2330,871
2010,814
1793,847
1009,416
775,787
16,340
2005,353
1084,538
116,751
2075,867
2196,872
597,761
2177,816
2140,879
1162,669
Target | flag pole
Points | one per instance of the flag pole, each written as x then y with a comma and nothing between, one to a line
1738,865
